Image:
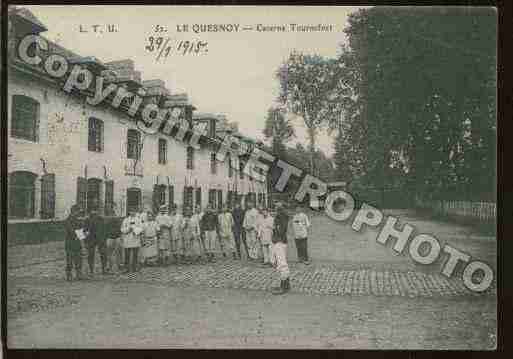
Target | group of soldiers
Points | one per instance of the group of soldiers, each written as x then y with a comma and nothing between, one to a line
185,236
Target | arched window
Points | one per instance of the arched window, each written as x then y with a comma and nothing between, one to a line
133,144
95,138
25,118
22,191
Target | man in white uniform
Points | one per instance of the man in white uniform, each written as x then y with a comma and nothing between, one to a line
226,240
131,230
279,249
301,224
250,226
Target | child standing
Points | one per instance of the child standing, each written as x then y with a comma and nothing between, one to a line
300,224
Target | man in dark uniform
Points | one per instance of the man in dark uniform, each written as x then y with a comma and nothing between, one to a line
72,244
209,225
95,226
238,231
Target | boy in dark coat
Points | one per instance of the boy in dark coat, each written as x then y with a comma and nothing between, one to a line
238,232
72,244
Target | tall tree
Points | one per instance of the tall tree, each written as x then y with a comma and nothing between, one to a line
278,130
310,87
426,98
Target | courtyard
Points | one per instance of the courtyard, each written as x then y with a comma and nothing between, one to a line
356,294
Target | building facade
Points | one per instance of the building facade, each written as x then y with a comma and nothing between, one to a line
63,151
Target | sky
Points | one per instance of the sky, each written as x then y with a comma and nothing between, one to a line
235,77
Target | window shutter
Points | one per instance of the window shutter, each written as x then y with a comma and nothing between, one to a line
219,199
48,196
36,123
109,198
81,192
156,198
171,193
184,198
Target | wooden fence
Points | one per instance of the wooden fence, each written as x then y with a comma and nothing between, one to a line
482,211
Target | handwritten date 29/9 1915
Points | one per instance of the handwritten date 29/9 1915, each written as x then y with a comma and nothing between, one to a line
164,46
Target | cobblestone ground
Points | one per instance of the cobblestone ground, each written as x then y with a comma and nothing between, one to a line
314,279
371,278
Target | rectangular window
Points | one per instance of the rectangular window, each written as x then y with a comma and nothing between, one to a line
213,163
187,199
212,197
95,138
190,158
162,151
25,118
133,144
133,199
21,194
159,197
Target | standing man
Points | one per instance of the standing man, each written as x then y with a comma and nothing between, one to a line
72,244
226,240
95,226
209,224
114,245
177,233
149,240
164,239
279,249
238,220
300,224
198,244
131,229
250,226
199,235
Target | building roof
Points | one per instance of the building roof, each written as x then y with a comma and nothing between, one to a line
28,16
114,68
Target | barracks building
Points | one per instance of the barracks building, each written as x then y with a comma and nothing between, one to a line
63,151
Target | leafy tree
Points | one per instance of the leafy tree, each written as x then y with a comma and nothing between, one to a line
279,130
310,87
424,89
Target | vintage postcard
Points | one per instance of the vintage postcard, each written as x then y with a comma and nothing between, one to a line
251,177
